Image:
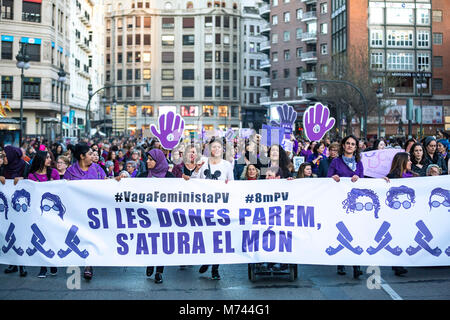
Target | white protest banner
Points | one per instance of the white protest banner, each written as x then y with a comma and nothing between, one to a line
377,163
142,222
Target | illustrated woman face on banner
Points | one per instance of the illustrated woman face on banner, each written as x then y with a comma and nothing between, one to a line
362,200
439,197
21,200
398,197
51,204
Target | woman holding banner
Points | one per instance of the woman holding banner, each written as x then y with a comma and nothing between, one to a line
42,171
214,169
14,167
431,154
84,168
349,165
157,168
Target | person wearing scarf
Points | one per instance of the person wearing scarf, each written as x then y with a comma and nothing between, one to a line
442,148
431,154
14,168
84,169
157,168
349,165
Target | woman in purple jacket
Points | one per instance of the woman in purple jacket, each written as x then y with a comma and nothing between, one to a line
348,165
84,169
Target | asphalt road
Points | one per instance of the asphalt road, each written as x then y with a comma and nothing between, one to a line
313,283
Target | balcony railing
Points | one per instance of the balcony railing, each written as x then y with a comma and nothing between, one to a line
265,82
309,55
264,99
309,15
263,10
309,75
309,36
265,64
265,45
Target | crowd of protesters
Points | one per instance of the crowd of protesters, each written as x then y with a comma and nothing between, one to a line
216,159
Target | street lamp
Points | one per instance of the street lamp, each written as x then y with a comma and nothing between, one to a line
125,116
421,84
90,93
61,80
104,113
115,114
23,64
379,97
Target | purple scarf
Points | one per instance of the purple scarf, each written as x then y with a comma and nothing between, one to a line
16,164
161,167
74,172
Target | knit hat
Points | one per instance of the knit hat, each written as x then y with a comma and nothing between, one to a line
109,164
445,143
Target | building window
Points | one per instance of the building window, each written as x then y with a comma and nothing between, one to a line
287,92
298,33
168,23
129,74
168,40
376,60
7,87
223,111
287,17
188,74
287,55
7,48
438,84
147,40
208,91
423,16
188,23
423,39
137,74
400,61
119,74
208,22
286,36
146,57
32,88
400,38
167,92
147,74
188,92
299,14
437,16
188,56
274,20
167,74
286,73
438,62
7,11
324,48
437,38
324,28
34,52
31,11
323,8
188,40
167,57
274,38
208,56
423,61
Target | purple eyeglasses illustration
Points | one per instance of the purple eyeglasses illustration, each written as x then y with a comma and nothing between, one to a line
317,122
351,205
393,194
171,127
4,205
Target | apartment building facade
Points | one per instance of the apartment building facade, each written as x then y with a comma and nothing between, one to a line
43,28
188,52
299,48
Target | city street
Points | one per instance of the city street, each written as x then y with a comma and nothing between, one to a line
313,283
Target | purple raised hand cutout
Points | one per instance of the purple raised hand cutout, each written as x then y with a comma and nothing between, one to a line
317,122
287,119
171,127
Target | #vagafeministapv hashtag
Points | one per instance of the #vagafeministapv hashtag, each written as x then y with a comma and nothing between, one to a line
259,197
172,197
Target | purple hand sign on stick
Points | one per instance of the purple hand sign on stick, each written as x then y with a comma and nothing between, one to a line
171,127
317,122
287,119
